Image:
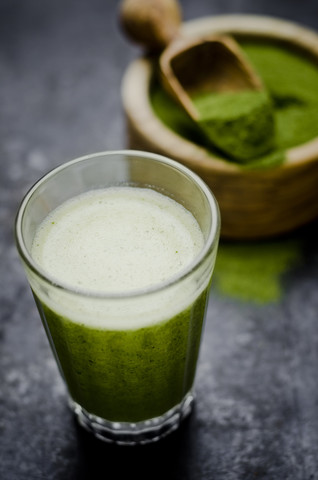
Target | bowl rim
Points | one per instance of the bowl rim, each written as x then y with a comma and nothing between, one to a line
138,75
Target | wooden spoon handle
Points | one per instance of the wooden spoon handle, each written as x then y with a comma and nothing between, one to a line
151,23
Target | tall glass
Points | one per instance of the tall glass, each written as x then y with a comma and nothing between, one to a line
126,385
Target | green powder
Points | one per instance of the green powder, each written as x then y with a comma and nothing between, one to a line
291,80
173,116
253,272
240,124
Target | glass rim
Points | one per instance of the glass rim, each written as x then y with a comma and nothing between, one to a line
209,244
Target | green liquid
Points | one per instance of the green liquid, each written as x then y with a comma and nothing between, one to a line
128,375
124,358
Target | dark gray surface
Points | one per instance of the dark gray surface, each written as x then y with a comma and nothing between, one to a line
256,415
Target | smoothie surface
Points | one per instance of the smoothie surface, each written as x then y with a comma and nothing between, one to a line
117,240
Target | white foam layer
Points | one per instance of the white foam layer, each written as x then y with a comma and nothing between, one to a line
116,240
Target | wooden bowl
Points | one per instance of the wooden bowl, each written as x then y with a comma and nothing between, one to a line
254,203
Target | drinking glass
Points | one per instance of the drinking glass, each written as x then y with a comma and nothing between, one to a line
125,384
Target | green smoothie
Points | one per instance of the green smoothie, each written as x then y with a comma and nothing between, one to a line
131,375
133,358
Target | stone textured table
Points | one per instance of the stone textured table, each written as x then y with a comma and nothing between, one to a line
256,414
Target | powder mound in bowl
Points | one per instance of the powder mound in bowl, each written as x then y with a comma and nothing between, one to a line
241,124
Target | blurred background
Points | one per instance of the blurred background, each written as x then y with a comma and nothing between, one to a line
61,69
61,66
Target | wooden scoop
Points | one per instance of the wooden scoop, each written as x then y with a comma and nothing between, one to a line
214,64
241,126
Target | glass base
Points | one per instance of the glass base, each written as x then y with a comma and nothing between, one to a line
124,433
